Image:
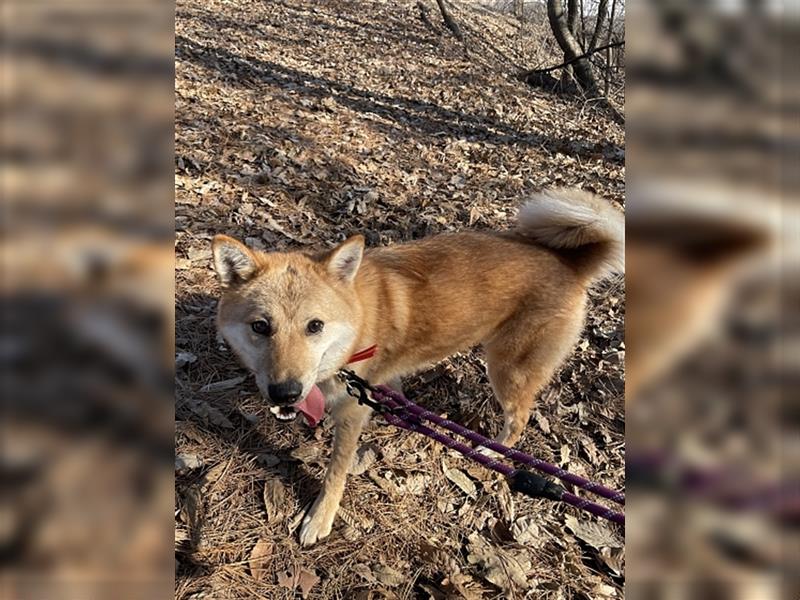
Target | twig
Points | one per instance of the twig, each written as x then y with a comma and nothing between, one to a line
449,21
572,60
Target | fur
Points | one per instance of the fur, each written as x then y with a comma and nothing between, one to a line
521,294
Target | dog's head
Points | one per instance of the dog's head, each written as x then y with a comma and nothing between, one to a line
291,318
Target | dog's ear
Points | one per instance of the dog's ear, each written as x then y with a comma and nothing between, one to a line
344,260
233,261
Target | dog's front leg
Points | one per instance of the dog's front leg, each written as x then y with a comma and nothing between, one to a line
349,418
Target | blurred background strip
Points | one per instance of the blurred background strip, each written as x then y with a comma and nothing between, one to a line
711,270
87,294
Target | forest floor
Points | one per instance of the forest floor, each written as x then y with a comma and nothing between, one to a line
300,123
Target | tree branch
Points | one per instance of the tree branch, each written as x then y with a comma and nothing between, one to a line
573,60
449,21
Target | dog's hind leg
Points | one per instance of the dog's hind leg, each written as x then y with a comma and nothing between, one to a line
522,358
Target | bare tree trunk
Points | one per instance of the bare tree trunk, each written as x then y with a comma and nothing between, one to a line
448,20
559,23
519,9
608,51
602,10
572,16
567,76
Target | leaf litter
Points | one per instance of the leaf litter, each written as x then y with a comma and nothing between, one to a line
300,123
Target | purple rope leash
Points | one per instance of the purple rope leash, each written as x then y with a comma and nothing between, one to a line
488,462
389,403
382,392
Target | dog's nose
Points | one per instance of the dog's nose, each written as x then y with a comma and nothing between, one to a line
286,392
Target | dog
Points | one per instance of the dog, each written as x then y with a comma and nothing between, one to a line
295,319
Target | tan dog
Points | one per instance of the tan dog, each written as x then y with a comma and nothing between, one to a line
294,319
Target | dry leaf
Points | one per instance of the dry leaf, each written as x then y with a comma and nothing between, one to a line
211,414
275,499
525,531
364,572
564,455
268,460
415,484
184,358
606,591
389,576
614,559
286,579
303,578
306,580
506,570
187,462
364,458
594,533
460,479
360,522
307,453
214,473
384,483
221,386
542,421
259,555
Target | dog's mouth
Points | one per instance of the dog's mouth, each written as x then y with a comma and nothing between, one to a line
312,407
284,413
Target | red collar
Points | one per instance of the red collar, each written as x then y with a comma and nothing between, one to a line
363,354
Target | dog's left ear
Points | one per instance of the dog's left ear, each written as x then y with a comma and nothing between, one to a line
344,260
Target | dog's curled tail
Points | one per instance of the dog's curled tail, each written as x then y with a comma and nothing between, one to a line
587,229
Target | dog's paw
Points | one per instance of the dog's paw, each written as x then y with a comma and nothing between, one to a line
316,526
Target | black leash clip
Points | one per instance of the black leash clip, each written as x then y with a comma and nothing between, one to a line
535,486
359,389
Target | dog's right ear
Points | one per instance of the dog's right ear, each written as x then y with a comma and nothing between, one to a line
233,261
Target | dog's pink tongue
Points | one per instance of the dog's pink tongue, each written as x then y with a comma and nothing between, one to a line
313,407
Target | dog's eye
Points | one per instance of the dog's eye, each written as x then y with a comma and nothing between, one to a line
314,326
262,327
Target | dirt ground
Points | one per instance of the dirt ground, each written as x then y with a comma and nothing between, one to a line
297,124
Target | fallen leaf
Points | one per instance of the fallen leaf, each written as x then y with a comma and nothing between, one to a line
506,570
614,559
542,421
258,557
525,531
306,580
302,578
307,454
214,473
460,479
356,521
389,576
564,455
221,386
274,499
268,460
286,579
593,533
364,572
606,591
415,484
211,414
386,484
187,462
364,458
184,358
